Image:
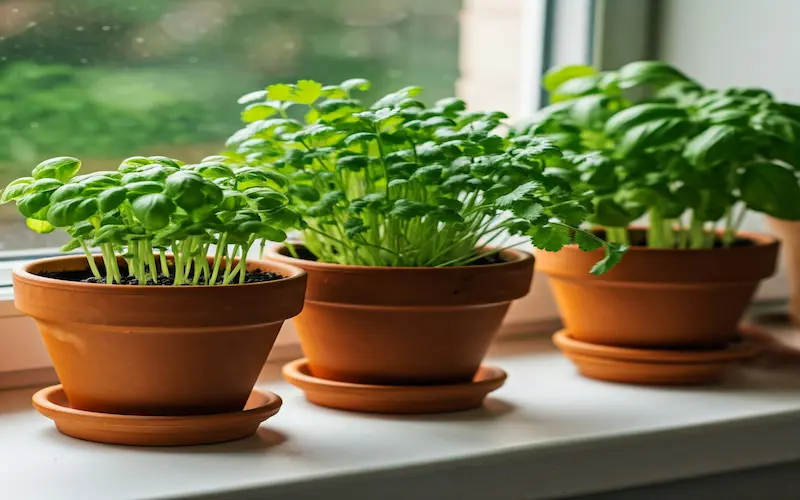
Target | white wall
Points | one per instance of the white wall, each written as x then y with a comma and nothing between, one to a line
725,43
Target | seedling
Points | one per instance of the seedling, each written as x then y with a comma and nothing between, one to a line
693,159
151,206
399,183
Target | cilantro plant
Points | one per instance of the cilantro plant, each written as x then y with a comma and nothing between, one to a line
399,183
693,159
151,206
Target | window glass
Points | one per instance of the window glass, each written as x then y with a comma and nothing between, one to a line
106,79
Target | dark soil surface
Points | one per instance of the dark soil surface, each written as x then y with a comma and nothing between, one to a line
639,239
305,254
86,276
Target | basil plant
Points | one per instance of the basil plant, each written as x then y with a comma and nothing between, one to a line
693,159
400,183
151,206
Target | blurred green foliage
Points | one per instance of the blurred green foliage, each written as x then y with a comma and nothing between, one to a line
110,78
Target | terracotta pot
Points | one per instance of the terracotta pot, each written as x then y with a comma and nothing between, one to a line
789,233
659,297
157,350
404,325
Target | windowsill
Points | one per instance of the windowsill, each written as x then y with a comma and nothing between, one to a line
546,433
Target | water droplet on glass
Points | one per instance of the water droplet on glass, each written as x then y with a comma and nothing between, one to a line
106,28
32,24
139,39
79,28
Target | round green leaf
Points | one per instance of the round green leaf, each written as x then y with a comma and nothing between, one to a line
153,210
61,168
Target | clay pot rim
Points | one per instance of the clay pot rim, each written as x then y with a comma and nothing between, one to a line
760,239
24,275
733,351
516,258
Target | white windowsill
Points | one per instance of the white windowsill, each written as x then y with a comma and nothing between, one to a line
547,433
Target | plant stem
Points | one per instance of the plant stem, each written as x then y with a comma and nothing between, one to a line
696,232
164,263
221,247
90,258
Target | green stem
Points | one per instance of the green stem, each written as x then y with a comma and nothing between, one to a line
221,246
696,232
90,259
164,263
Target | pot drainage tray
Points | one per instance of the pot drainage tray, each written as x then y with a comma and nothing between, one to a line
652,366
155,430
394,399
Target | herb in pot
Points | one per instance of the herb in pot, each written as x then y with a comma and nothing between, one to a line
151,206
399,183
693,159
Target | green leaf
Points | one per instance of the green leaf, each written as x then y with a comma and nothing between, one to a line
571,212
556,77
614,254
280,92
590,111
356,84
586,241
576,87
30,205
111,199
531,212
624,120
550,237
135,189
307,91
39,226
15,190
771,189
258,111
354,163
714,145
652,134
153,210
407,209
775,125
258,95
42,185
61,168
518,194
360,136
648,72
73,244
69,212
305,193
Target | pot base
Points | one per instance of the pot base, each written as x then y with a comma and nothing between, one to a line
138,430
652,366
394,399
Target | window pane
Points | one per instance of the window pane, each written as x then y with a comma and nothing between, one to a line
106,79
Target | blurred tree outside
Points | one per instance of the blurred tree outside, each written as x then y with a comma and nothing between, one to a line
106,79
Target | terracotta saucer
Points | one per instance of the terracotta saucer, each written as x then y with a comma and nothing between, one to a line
155,431
652,366
394,399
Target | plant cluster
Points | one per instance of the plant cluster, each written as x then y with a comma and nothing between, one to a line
151,206
399,183
693,159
